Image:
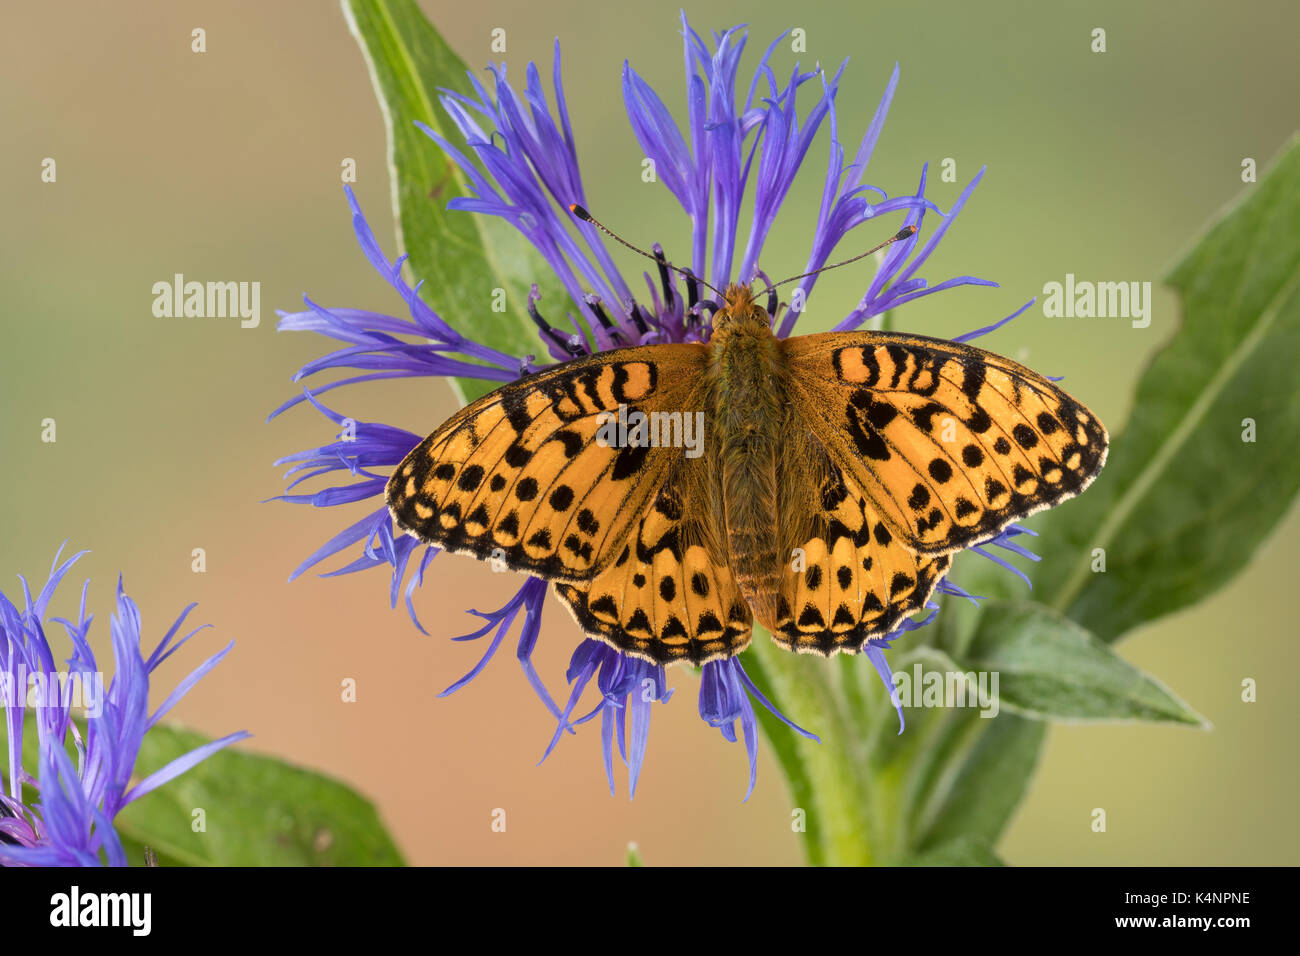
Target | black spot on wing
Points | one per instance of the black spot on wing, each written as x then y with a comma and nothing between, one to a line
866,439
588,524
1025,436
810,617
517,455
629,461
571,441
527,489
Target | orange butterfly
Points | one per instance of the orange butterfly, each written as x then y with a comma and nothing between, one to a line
836,475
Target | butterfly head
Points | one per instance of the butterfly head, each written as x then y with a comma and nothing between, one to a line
740,309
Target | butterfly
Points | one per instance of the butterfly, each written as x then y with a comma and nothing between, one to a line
676,493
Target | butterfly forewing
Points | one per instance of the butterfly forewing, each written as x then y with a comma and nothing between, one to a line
949,443
521,476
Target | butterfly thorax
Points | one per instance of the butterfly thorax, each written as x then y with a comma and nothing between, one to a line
749,404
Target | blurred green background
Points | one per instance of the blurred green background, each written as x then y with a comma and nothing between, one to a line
225,166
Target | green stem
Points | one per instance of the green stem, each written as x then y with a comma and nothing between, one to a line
829,780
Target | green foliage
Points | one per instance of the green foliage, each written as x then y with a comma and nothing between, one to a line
975,781
1051,668
1184,502
461,257
963,851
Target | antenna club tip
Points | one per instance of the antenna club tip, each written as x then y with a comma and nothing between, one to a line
579,212
906,231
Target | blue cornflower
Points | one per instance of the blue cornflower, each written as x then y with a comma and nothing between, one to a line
72,822
519,156
628,686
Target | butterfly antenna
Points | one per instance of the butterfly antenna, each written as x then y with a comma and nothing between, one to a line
904,233
588,217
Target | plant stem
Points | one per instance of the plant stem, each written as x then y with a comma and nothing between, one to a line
830,778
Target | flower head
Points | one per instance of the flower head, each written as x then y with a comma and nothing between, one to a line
72,823
742,140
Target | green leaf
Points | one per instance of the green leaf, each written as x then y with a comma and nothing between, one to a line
872,794
982,774
1046,666
966,773
1184,502
963,851
634,855
461,256
257,811
952,773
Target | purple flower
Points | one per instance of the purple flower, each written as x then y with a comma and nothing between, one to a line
516,148
628,686
725,690
72,822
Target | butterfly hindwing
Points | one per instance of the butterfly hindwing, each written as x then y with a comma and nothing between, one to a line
521,477
848,577
668,595
948,442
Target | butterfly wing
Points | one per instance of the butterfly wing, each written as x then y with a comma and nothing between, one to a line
948,443
522,475
668,595
848,577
